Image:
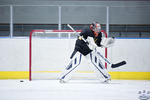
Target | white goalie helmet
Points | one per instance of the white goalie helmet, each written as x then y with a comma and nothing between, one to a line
96,27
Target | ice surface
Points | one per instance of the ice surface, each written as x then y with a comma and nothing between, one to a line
74,90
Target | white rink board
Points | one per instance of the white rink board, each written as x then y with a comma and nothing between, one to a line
15,54
134,51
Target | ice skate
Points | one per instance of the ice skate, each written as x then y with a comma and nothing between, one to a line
62,81
107,80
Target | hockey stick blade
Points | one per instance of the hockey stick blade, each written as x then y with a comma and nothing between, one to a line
118,64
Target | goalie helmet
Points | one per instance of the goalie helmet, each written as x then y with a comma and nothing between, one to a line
96,27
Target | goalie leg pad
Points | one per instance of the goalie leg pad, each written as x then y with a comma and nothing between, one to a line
74,63
97,64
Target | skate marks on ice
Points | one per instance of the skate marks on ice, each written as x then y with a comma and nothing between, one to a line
73,90
91,82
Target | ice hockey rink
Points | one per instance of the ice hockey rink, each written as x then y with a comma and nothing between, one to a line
37,38
74,90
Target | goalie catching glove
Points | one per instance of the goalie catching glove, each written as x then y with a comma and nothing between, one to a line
107,42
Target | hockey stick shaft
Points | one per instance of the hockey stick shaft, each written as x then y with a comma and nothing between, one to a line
71,27
75,32
105,59
111,64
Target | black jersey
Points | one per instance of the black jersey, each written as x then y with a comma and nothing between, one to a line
82,46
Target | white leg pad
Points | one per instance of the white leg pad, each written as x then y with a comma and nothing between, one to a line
99,69
71,68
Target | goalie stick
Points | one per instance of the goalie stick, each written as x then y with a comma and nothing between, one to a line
76,32
118,64
105,59
111,64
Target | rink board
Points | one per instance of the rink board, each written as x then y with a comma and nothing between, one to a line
14,58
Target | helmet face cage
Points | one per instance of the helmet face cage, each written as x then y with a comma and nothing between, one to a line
96,27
